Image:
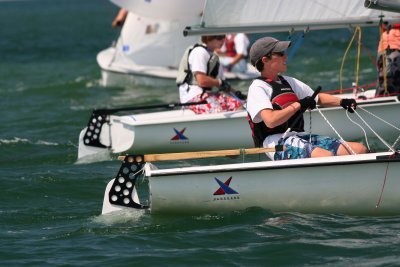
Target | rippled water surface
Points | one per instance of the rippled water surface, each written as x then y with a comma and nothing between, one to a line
50,206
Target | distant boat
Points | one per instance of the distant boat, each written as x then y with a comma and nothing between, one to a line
151,43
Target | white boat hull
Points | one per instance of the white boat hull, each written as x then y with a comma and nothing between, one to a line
125,73
157,132
356,185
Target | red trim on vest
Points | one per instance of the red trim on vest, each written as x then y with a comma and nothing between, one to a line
230,46
285,99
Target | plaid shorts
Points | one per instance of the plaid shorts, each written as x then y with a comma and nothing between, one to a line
300,146
216,102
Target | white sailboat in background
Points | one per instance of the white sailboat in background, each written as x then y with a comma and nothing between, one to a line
151,43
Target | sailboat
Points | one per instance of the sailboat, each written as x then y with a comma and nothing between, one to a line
370,186
151,44
182,130
366,184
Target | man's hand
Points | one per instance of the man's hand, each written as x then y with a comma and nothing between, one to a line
240,95
307,103
349,104
225,86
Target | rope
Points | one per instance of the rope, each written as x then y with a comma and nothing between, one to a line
395,142
373,60
358,59
383,187
377,135
365,86
365,133
309,130
398,138
370,113
336,132
296,46
115,45
142,170
357,30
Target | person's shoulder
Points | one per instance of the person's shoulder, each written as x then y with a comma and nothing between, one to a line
241,36
289,78
199,46
296,84
257,83
199,49
292,80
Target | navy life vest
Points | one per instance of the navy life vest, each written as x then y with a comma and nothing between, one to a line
282,96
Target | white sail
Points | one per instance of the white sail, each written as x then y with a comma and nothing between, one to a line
221,16
163,9
153,42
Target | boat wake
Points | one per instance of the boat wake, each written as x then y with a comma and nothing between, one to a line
17,140
120,217
92,158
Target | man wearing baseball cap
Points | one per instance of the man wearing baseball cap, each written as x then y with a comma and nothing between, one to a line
275,102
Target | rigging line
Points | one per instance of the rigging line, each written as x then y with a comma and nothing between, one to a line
358,59
358,29
395,142
377,135
378,203
296,46
373,60
309,132
336,132
108,120
142,170
370,113
365,134
115,46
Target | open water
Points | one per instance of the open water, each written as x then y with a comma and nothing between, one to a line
50,206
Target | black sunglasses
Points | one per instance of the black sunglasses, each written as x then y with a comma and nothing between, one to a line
279,54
